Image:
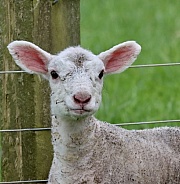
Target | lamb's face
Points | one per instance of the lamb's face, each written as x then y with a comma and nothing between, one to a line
75,75
76,80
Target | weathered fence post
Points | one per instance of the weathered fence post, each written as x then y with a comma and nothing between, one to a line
25,98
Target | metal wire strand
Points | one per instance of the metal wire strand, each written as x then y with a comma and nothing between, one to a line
119,124
11,72
133,66
154,65
149,122
26,129
30,181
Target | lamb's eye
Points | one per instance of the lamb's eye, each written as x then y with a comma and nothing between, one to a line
54,74
101,74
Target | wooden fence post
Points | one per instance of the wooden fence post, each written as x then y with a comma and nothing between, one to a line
25,98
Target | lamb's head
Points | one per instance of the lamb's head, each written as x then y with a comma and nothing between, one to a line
75,74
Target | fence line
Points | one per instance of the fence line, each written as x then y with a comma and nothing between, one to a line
119,124
154,65
149,122
25,129
30,181
133,66
11,72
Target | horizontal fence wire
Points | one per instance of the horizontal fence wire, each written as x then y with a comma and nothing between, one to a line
133,66
11,72
26,129
120,124
149,122
30,181
155,65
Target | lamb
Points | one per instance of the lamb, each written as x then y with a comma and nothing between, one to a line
86,150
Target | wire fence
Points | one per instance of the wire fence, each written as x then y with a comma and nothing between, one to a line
133,66
30,181
120,124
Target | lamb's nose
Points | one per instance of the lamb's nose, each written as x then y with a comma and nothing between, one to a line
82,97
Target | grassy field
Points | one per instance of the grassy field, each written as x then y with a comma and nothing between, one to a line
143,94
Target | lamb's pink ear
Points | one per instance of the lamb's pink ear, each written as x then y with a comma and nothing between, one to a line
120,57
29,57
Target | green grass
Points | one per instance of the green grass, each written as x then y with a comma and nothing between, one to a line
143,94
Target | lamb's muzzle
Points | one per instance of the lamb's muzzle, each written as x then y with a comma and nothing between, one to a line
82,98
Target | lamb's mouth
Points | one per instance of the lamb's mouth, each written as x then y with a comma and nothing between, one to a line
80,111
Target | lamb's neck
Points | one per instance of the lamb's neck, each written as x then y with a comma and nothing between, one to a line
72,137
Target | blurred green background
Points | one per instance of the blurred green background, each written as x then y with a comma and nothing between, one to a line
141,94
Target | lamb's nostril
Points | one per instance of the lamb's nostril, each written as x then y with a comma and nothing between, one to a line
82,98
